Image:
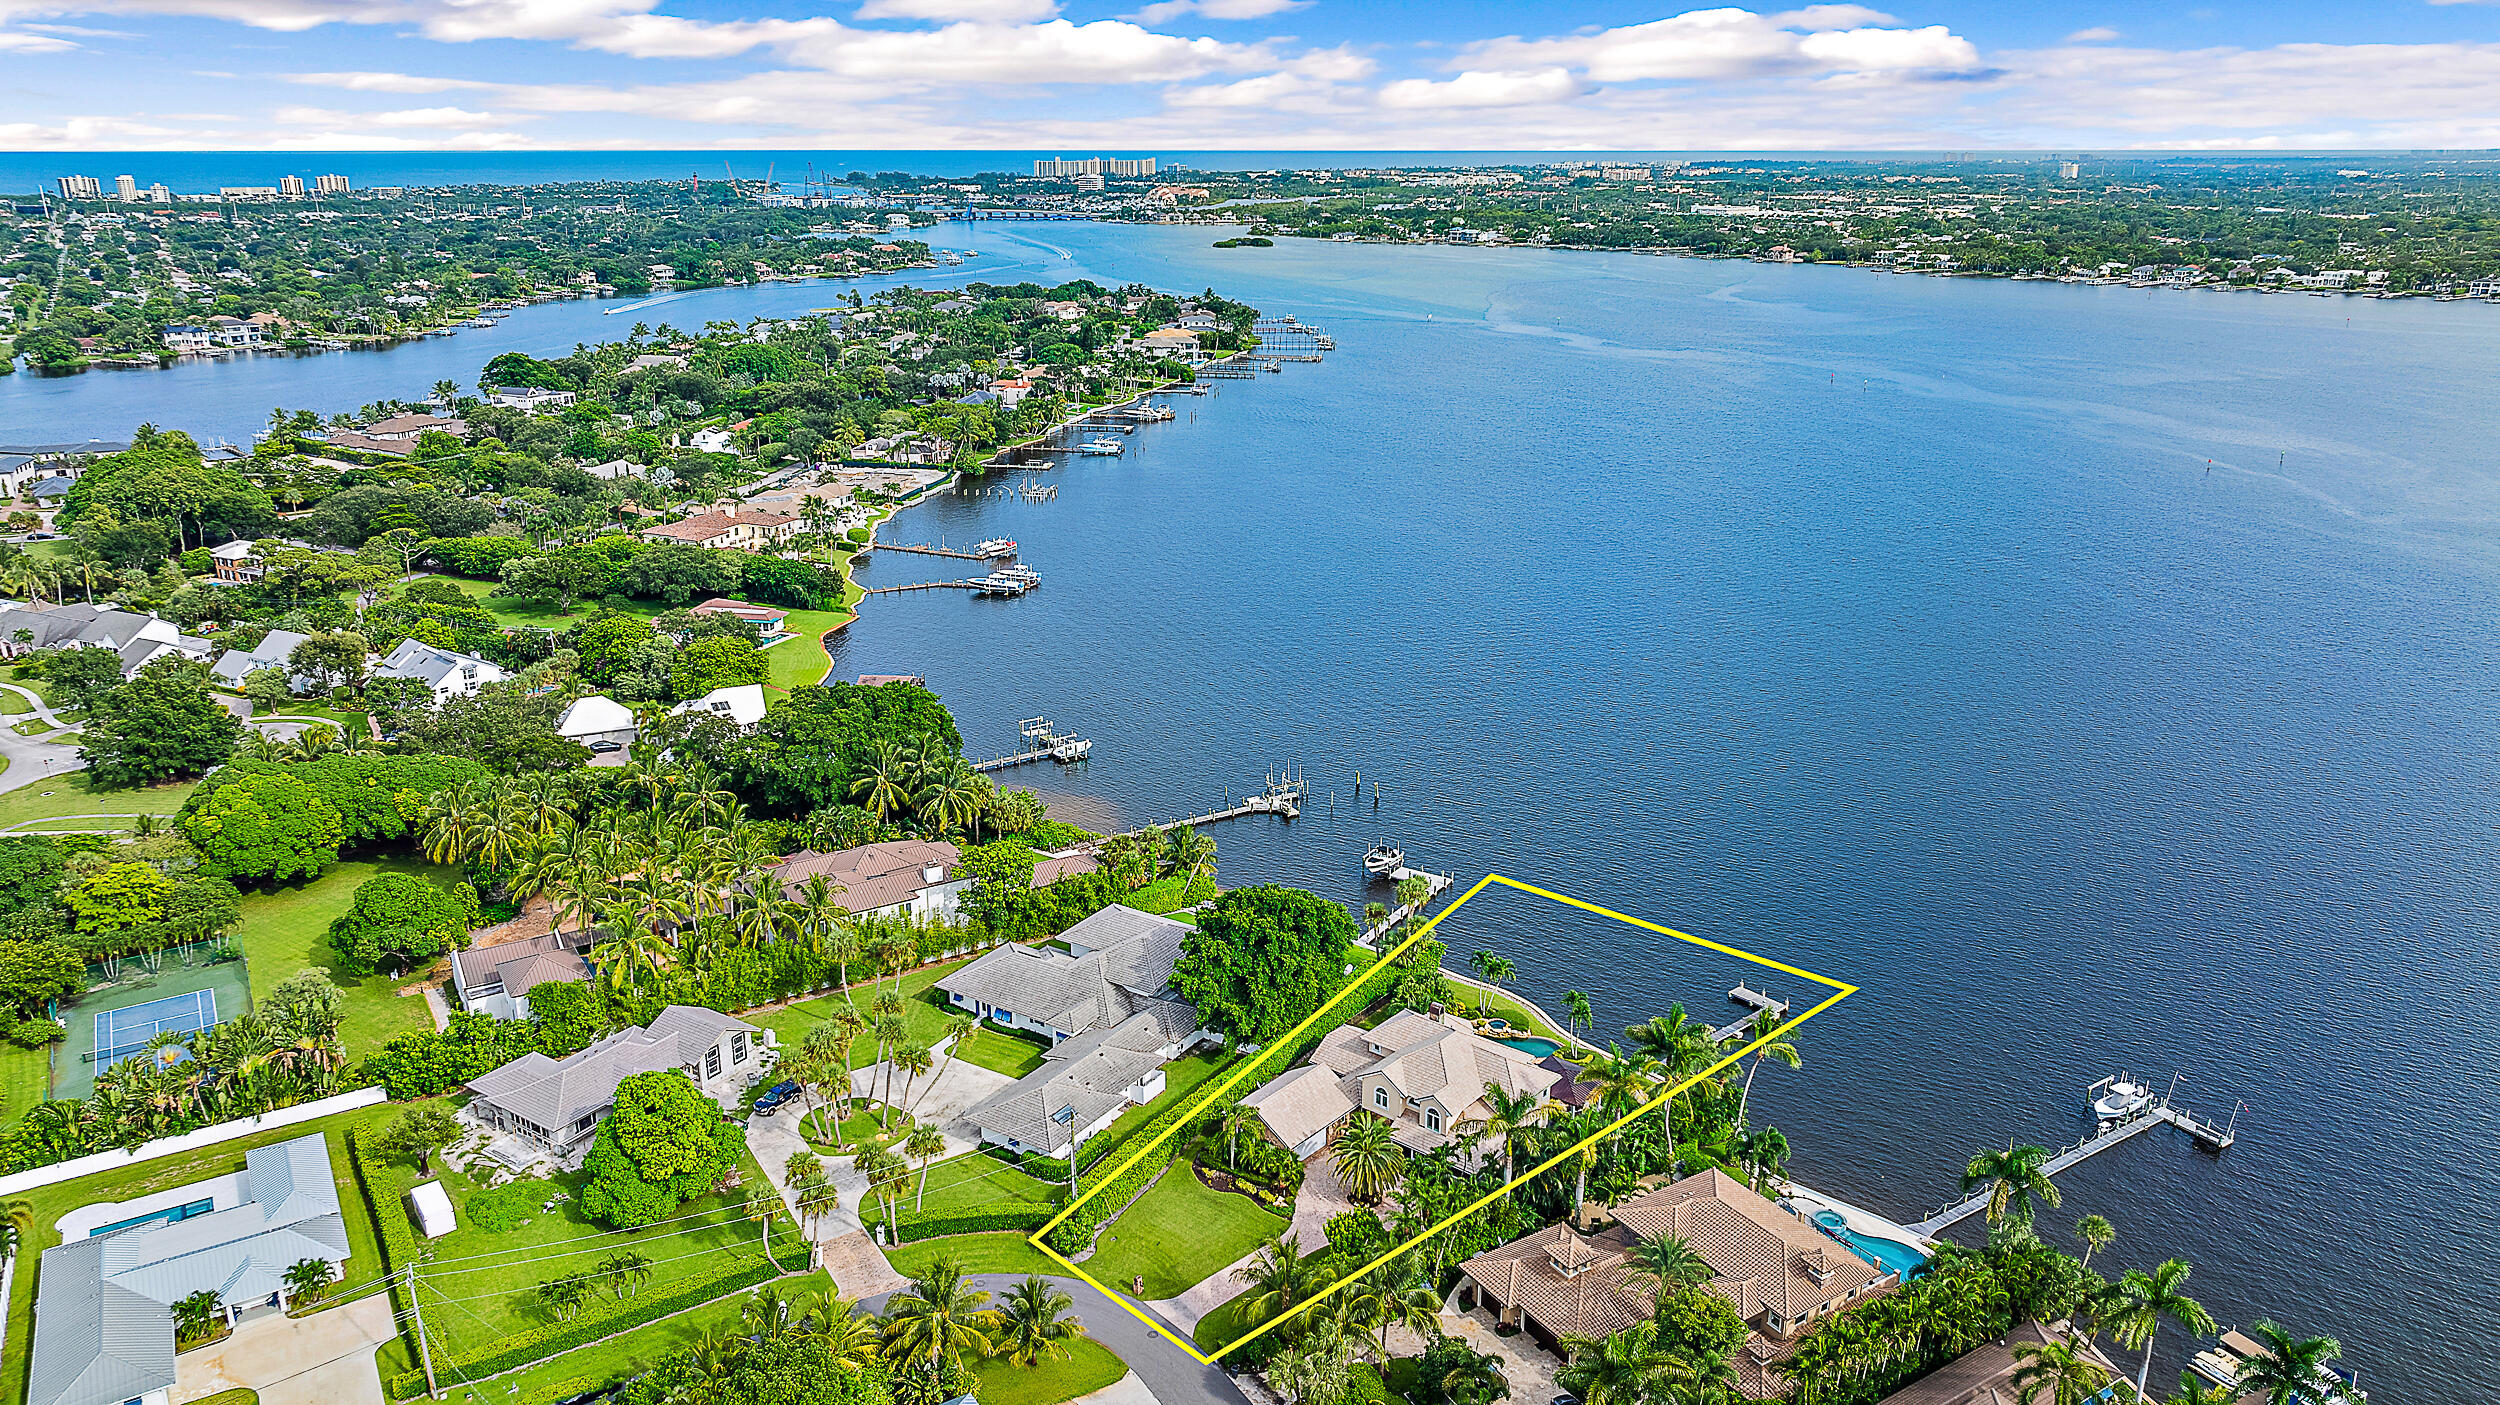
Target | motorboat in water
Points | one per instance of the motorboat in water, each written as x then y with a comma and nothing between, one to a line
996,546
1383,860
2120,1097
1103,447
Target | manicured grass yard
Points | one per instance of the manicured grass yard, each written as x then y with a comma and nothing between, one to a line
1000,1052
481,1287
514,613
24,1075
973,1181
1182,1078
1226,1323
1088,1367
924,1017
12,704
977,1253
68,796
1178,1233
1481,1003
364,1260
802,662
604,1363
287,929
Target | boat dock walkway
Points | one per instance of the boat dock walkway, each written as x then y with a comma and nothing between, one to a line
924,549
2207,1135
1435,884
1762,1005
986,585
1041,743
1282,799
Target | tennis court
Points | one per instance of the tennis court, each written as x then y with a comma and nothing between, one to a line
116,1021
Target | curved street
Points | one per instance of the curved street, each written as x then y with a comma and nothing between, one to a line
1172,1375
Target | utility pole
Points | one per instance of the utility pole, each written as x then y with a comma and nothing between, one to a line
424,1357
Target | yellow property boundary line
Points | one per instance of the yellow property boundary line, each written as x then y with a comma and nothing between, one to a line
1841,990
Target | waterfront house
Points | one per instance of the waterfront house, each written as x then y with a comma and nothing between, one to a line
448,673
399,429
497,980
1985,1374
186,340
747,529
1118,964
540,1108
770,621
528,399
1782,1273
138,639
104,1329
1427,1075
51,491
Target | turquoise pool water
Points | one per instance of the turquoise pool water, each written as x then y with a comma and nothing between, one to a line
1889,1254
1529,1043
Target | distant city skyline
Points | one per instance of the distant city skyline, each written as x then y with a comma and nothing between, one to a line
1317,75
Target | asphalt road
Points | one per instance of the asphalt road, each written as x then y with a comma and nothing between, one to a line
1175,1377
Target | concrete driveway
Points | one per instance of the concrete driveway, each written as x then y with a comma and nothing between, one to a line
1528,1367
324,1359
957,1086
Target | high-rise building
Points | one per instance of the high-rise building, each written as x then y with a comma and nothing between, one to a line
1063,168
2069,170
330,185
125,188
159,195
81,188
291,186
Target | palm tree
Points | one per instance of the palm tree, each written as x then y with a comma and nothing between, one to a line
2056,1373
1475,1380
1621,1369
925,1145
1577,1012
1280,1277
1193,855
2144,1299
1033,1322
1507,1115
563,1296
763,1205
1669,1262
2097,1234
2288,1368
17,1220
1366,1157
2193,1391
1776,1049
306,1279
1493,970
2020,1185
938,1317
1618,1079
1676,1047
850,1336
446,391
624,1271
881,789
912,1060
196,1315
1230,1122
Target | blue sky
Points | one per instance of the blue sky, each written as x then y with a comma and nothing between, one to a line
1249,74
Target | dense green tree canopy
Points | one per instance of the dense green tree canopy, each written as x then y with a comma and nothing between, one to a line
273,828
663,1144
706,664
161,725
810,745
401,920
1263,958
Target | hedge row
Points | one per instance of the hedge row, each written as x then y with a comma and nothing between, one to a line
1021,1218
523,1348
399,1238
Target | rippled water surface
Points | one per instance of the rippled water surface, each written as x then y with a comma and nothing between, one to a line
2095,677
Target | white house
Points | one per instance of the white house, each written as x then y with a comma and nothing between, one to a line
139,639
713,441
1118,963
598,722
529,399
742,705
449,674
550,1107
274,650
188,339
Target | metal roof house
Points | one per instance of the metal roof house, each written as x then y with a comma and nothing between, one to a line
104,1334
449,674
497,980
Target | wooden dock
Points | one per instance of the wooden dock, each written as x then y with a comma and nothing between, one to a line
1282,799
2207,1135
924,549
1042,742
986,585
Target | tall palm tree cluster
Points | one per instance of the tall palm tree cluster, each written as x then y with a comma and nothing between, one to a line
922,783
1308,1355
671,873
275,1056
931,1331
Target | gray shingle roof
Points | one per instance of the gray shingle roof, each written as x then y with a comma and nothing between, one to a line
424,662
1122,961
554,1093
273,651
1091,1073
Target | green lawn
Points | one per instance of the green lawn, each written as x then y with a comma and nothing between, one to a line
1000,1051
974,1181
70,797
977,1253
924,1014
1178,1233
605,1363
1088,1367
802,662
25,1075
14,704
287,929
529,614
32,726
1225,1324
474,1302
364,1260
1479,1003
1164,894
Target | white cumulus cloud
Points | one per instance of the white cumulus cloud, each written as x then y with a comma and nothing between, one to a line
1482,88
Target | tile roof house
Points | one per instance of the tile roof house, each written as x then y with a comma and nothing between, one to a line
1118,965
104,1334
771,621
747,529
1426,1075
1085,1083
449,674
1985,1375
496,980
139,639
550,1107
406,428
1781,1272
917,876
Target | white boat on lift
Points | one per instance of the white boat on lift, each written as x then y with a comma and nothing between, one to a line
996,546
2120,1097
1383,860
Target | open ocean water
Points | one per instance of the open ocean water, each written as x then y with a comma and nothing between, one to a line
2098,678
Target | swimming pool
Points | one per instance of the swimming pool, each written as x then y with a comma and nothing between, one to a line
1889,1254
1529,1043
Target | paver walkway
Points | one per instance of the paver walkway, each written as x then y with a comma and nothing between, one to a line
1528,1367
324,1359
858,1268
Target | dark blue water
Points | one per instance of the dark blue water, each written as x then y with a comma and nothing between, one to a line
2097,678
